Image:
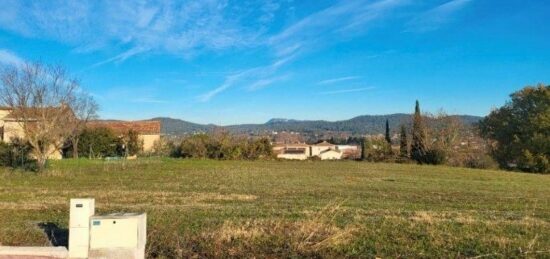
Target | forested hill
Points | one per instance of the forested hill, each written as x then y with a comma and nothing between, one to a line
369,124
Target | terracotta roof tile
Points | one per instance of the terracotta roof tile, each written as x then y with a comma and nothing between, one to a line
120,127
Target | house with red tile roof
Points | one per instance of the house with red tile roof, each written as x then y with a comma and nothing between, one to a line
148,131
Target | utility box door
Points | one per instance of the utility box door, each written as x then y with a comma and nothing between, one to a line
80,212
112,233
78,242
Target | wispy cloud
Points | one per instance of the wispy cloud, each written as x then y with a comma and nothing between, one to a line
133,27
149,100
9,58
337,80
347,90
342,18
438,16
261,75
265,82
334,22
228,82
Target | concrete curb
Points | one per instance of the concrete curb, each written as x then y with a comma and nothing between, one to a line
33,252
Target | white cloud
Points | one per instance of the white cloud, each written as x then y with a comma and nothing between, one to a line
181,28
228,82
434,18
337,80
259,74
265,82
149,100
334,22
347,90
9,58
337,20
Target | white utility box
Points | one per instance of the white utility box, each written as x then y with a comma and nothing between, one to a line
79,227
121,235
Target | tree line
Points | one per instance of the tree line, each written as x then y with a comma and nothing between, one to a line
52,112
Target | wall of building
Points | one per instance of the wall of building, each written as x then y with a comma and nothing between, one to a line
149,141
12,129
316,150
293,156
331,155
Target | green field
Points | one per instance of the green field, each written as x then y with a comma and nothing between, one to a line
292,209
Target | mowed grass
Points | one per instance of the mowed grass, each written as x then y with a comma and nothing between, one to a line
292,209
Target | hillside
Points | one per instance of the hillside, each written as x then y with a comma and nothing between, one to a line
365,124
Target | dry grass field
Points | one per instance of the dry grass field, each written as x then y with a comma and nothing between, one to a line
291,209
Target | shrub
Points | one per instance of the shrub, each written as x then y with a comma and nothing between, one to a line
99,142
223,146
435,156
482,161
133,144
376,150
16,154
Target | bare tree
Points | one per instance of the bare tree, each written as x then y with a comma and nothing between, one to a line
446,130
84,109
43,100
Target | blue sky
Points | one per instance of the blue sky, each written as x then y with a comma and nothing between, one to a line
226,62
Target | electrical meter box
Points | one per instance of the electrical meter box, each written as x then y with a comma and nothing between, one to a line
121,235
79,226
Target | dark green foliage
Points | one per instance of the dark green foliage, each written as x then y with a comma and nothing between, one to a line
434,156
364,143
16,154
403,142
388,137
132,143
99,143
418,145
520,130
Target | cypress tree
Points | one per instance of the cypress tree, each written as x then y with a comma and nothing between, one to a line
418,145
388,138
403,144
364,149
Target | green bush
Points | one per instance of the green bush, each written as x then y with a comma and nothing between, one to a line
223,146
16,154
98,143
435,156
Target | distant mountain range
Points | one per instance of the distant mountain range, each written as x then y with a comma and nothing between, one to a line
365,124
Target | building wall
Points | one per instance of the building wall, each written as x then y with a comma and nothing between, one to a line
316,150
331,155
293,156
149,141
3,113
12,129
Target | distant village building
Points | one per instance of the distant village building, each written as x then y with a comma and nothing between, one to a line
301,151
148,131
349,151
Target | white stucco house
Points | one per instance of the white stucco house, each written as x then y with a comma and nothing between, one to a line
302,151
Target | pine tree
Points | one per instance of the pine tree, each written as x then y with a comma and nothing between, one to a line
403,144
388,138
418,145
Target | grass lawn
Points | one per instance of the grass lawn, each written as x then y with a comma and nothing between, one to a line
292,209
